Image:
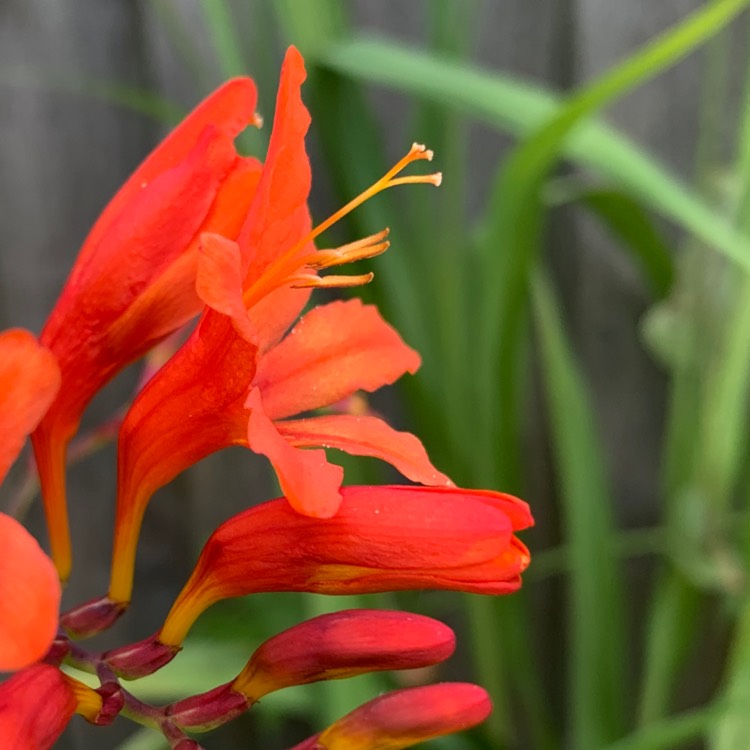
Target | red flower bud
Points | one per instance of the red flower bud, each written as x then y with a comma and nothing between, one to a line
404,718
344,644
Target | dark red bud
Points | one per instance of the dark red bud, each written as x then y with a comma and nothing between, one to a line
139,659
113,700
208,710
59,649
92,617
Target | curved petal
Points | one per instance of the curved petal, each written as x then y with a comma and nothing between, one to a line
29,597
278,217
229,109
334,350
35,707
29,381
191,408
309,482
171,296
219,281
365,436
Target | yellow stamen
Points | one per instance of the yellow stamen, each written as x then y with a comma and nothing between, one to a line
320,282
368,247
288,265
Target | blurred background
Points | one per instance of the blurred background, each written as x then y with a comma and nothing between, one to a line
577,288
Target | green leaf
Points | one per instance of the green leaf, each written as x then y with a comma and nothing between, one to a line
628,222
597,643
671,733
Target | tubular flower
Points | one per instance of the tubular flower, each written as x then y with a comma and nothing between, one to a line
29,587
382,539
236,381
405,717
134,280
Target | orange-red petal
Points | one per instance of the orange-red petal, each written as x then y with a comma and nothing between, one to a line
191,408
279,212
29,381
308,481
219,282
29,597
334,350
35,707
229,109
381,539
365,436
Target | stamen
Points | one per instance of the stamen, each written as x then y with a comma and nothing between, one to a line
285,270
368,247
303,281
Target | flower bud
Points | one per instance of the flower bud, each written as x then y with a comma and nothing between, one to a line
405,717
344,644
139,659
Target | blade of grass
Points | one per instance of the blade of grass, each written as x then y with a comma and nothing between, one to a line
217,15
182,41
628,222
128,97
596,706
516,221
672,732
520,108
723,456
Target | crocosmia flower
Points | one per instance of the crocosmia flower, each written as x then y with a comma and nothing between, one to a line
204,261
134,280
382,539
239,381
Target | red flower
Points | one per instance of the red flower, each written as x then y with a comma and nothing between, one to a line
403,718
29,587
235,383
35,707
134,279
382,539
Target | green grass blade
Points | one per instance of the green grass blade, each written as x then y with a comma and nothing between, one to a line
128,97
671,733
520,108
597,647
218,17
312,26
628,222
